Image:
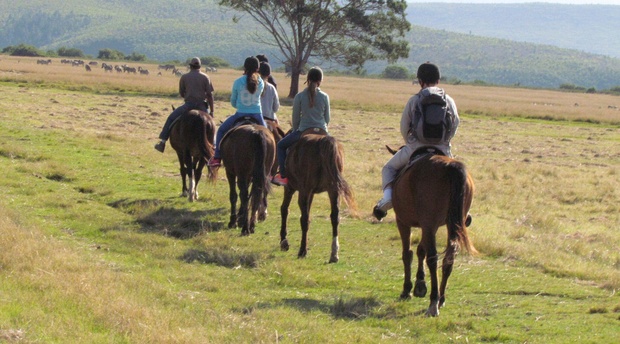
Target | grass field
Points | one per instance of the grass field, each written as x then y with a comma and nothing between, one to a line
97,247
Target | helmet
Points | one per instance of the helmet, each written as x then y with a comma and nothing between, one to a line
251,64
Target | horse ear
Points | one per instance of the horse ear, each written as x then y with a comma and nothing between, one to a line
391,150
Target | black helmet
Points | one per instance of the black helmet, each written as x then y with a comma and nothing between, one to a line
428,73
251,64
265,69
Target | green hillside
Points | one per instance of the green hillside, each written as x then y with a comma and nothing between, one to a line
590,28
165,31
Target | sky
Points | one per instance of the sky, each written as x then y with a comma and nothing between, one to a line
570,2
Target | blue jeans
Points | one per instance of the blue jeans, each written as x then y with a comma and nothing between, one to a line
284,144
165,132
229,123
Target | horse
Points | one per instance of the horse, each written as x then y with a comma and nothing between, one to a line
314,164
192,138
435,190
248,153
278,134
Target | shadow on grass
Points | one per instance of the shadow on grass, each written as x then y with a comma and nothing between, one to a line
222,257
154,217
356,308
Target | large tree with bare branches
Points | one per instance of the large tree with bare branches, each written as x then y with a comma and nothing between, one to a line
348,32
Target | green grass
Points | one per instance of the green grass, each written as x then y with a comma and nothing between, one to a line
97,246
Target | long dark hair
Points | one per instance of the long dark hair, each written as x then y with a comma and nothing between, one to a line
315,76
250,67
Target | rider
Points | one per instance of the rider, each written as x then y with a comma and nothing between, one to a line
245,97
194,87
310,110
428,77
269,100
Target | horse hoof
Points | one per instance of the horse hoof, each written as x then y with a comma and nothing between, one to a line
301,254
405,295
420,289
232,225
245,233
442,301
333,259
284,245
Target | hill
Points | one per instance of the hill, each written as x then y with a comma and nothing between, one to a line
589,28
166,31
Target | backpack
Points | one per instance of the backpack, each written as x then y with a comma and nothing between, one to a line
432,120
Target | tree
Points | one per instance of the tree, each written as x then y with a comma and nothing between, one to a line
23,50
396,72
110,54
347,32
69,52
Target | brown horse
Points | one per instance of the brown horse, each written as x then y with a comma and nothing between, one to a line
314,164
435,191
248,153
192,139
278,134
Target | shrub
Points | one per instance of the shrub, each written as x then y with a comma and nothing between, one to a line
69,52
396,72
23,50
110,54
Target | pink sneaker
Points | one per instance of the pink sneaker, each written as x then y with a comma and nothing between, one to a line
278,180
215,162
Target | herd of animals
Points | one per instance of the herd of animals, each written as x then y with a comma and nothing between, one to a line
124,68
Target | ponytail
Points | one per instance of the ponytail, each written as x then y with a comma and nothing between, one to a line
250,67
315,76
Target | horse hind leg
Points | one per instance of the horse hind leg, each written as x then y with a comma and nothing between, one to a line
286,202
407,257
446,270
428,239
243,218
335,220
304,205
420,283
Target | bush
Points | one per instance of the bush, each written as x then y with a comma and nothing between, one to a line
110,54
396,72
213,61
69,52
135,57
23,50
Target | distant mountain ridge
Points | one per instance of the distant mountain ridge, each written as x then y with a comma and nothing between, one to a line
589,28
165,31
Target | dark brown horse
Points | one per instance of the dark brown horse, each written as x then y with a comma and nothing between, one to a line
278,134
248,153
314,164
435,191
192,139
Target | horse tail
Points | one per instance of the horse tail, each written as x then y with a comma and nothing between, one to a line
206,145
457,229
260,182
333,162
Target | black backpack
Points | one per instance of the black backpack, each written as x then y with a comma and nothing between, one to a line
434,116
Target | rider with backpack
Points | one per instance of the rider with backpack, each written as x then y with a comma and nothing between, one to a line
430,119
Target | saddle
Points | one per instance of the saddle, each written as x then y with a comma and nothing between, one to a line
417,155
239,122
244,120
314,131
200,112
